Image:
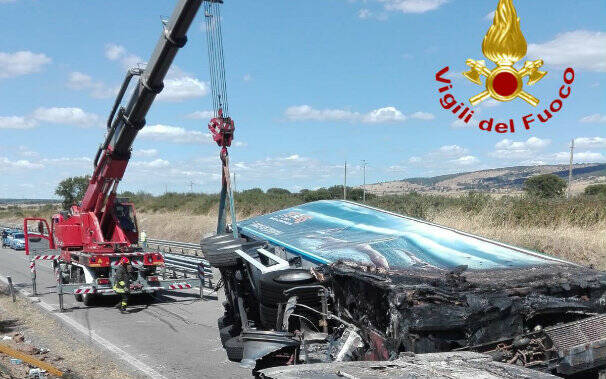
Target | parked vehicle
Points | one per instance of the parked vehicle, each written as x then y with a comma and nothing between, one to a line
5,233
334,281
6,242
17,241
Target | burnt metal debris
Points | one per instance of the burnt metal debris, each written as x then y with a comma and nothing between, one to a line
284,308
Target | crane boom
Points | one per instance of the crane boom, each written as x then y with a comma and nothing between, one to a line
123,126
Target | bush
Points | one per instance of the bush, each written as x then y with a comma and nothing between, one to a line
596,190
545,186
278,191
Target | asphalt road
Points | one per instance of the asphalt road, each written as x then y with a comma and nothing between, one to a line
174,336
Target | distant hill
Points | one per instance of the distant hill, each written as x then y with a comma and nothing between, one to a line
28,201
499,180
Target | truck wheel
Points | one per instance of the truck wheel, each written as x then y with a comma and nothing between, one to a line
78,298
219,250
88,299
235,349
273,284
227,333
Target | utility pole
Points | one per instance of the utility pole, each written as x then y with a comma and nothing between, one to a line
570,167
345,183
191,186
165,188
364,186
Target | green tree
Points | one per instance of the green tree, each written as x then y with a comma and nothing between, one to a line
545,186
278,191
72,190
596,190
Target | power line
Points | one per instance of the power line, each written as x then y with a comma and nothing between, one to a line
364,186
570,167
345,183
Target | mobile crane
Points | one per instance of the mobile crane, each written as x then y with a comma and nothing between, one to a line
94,235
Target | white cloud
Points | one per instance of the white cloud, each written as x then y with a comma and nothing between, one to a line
449,151
508,149
156,163
490,16
377,116
579,157
422,116
119,53
413,6
467,160
178,85
590,142
365,13
588,157
384,115
447,155
582,49
70,116
288,168
183,88
174,134
79,81
307,113
594,118
55,115
201,115
21,63
17,122
140,153
6,164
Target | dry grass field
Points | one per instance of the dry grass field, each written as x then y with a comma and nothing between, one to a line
572,229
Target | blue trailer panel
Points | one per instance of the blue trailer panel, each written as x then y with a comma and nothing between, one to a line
329,230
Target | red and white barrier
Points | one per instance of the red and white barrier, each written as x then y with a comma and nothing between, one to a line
46,257
179,286
32,263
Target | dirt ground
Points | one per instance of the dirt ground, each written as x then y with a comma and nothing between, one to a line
35,332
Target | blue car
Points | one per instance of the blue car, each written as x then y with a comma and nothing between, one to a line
18,241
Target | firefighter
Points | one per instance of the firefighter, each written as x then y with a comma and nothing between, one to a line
122,282
143,239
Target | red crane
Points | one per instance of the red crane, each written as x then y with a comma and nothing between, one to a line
95,234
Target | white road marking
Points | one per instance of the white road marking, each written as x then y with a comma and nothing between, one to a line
131,360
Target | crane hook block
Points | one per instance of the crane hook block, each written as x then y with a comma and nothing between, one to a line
222,129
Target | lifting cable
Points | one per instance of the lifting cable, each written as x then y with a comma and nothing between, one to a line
221,126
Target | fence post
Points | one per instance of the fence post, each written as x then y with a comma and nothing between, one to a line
11,288
201,277
60,293
32,267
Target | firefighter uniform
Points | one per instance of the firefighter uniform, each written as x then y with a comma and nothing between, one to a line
143,239
122,282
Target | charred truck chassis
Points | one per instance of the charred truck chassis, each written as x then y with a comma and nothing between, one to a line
282,310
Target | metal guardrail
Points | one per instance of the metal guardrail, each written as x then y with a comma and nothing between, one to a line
181,262
175,257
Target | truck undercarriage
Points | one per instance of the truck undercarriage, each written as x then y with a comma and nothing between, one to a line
285,310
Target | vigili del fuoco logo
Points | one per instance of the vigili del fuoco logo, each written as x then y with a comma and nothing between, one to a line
505,45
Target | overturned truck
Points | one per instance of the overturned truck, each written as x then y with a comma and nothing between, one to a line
336,281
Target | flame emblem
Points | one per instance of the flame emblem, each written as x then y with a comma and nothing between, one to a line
504,44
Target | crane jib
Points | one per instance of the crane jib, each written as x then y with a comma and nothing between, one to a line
151,80
124,123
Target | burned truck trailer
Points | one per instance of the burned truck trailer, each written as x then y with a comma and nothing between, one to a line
336,281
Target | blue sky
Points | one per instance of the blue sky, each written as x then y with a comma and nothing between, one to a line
310,84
